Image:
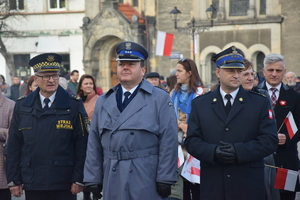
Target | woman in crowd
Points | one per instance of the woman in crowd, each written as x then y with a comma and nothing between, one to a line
171,82
87,90
31,86
189,85
5,88
247,79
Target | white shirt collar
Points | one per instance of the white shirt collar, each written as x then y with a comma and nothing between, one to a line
52,98
269,86
233,95
131,91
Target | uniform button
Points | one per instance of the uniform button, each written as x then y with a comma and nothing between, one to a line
113,169
114,132
131,150
130,171
226,129
228,176
132,133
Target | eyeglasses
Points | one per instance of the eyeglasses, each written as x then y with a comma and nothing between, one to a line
250,74
47,77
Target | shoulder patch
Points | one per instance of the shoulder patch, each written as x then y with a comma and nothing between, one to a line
75,97
22,97
257,93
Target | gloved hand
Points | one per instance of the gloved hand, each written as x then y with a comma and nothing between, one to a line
227,147
163,189
95,189
223,157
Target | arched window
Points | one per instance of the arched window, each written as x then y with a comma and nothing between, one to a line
260,63
238,7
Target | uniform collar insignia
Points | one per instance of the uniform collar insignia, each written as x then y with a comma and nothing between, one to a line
241,99
214,100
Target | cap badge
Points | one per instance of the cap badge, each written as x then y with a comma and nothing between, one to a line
128,46
234,51
50,58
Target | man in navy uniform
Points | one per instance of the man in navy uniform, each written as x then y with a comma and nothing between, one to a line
132,146
284,100
47,138
231,130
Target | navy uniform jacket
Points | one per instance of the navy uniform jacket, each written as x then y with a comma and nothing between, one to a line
289,100
250,127
46,150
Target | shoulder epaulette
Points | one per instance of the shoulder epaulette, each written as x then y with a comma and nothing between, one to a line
258,93
75,97
22,97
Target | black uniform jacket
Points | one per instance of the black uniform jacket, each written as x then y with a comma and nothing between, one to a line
250,127
46,149
289,100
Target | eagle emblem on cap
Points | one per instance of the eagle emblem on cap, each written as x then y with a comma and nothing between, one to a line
234,51
50,58
128,45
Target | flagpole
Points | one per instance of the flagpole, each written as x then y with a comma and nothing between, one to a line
280,127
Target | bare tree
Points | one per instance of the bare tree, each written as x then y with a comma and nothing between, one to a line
7,31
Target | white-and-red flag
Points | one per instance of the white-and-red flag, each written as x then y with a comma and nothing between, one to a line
286,179
290,125
180,159
164,43
191,169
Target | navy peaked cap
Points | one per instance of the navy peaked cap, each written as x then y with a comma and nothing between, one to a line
131,51
229,58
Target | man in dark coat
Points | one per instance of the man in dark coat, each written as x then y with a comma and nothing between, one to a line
231,136
285,100
47,138
14,89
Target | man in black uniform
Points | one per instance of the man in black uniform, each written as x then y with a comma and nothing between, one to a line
231,130
47,138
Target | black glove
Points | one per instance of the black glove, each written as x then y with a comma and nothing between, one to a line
95,189
223,157
163,189
227,147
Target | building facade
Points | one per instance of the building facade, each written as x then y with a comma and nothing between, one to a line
44,26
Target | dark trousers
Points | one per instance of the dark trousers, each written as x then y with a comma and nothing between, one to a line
48,195
5,194
191,191
286,195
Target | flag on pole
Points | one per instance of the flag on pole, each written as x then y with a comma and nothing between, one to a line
290,125
286,179
164,43
180,156
191,170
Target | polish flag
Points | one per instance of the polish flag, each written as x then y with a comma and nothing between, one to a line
180,160
164,43
286,179
191,170
290,125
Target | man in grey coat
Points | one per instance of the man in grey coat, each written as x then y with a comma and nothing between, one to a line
132,147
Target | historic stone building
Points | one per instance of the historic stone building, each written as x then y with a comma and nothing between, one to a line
257,27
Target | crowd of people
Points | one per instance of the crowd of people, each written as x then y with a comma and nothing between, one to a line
63,137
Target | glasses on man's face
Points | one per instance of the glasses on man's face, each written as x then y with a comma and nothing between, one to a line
47,77
249,74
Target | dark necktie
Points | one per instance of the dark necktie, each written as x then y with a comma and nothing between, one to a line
126,100
273,96
228,104
46,101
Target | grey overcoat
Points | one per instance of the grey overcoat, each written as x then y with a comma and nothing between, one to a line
129,152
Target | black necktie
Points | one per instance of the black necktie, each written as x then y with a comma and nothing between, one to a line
228,104
46,101
126,100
